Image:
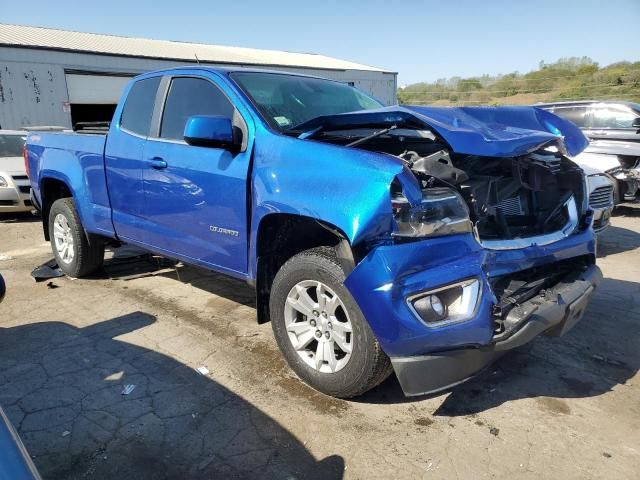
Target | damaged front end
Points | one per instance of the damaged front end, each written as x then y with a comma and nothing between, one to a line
537,198
502,173
491,242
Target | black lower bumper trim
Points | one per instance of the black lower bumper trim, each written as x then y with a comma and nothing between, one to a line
554,315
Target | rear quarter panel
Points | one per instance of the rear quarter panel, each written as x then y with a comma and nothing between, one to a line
78,161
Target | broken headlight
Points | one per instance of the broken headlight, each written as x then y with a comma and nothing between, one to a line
442,211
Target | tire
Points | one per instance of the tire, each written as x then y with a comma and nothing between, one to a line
85,258
347,374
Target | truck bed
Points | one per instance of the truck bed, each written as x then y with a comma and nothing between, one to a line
78,161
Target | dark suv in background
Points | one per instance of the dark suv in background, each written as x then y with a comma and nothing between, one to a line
601,120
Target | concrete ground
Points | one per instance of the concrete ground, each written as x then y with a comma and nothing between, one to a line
558,408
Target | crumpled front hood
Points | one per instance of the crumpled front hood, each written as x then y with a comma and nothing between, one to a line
485,131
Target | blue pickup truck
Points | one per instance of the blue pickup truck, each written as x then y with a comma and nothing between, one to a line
425,241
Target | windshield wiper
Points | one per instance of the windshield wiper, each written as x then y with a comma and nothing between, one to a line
370,137
310,133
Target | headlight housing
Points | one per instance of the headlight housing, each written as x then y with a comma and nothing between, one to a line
3,182
442,211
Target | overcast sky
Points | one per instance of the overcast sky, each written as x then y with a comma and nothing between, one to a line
422,40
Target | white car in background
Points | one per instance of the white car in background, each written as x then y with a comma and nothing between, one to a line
599,184
621,162
15,190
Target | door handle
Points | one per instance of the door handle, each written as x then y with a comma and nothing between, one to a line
157,163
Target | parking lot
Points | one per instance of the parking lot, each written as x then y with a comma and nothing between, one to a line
557,408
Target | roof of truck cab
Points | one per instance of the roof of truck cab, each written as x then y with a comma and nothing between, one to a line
227,70
65,40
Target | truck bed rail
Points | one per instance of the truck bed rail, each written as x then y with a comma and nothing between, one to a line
91,127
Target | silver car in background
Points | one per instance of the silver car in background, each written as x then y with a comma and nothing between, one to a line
14,182
613,120
600,185
613,127
621,161
601,191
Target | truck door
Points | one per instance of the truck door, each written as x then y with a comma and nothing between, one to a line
195,197
124,161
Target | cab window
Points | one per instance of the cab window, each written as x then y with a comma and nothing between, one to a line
191,96
138,108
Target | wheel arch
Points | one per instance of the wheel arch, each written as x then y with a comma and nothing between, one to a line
280,236
52,189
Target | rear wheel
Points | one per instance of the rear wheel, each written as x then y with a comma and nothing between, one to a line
320,328
76,257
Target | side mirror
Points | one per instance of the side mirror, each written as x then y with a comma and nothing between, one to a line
2,289
210,131
636,122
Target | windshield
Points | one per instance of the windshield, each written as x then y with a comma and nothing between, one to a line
286,101
12,145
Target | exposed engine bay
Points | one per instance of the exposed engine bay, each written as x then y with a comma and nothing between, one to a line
507,198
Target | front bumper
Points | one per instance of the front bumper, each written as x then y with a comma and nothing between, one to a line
554,314
12,200
601,200
383,281
15,196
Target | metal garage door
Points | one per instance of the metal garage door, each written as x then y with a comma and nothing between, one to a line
95,89
93,98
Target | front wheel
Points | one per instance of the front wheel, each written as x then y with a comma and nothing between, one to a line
76,257
320,328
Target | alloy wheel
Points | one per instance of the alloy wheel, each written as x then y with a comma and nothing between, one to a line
63,239
318,326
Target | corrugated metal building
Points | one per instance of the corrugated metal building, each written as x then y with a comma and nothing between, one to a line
56,77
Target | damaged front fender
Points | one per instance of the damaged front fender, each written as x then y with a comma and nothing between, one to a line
347,189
